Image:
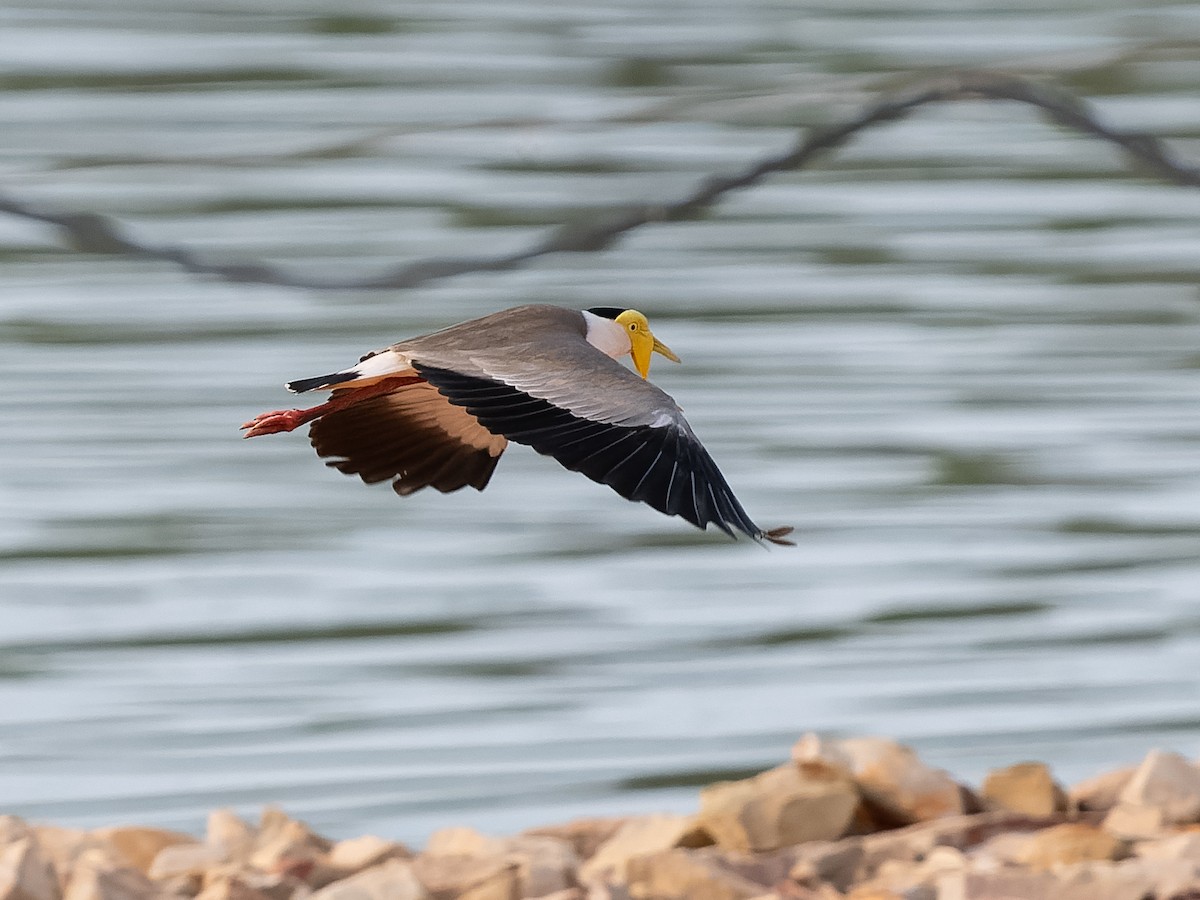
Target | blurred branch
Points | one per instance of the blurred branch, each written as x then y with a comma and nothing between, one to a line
97,234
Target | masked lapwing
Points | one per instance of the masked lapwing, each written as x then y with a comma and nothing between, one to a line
438,410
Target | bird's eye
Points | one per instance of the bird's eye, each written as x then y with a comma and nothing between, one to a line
633,326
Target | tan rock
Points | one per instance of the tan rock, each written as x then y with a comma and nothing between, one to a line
65,845
584,835
1025,788
230,833
768,870
1090,881
915,842
137,847
271,821
1001,885
1163,877
461,858
185,859
1071,842
912,878
392,880
271,885
545,865
907,879
356,854
829,862
1185,846
1100,792
26,873
1005,849
1168,782
94,878
503,885
463,842
1133,821
451,874
290,847
778,808
230,887
804,892
682,874
638,836
13,829
890,776
874,892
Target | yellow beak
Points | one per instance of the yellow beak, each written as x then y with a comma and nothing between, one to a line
643,345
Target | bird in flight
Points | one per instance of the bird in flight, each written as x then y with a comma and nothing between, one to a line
438,410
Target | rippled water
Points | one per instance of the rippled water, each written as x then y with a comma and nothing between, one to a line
962,357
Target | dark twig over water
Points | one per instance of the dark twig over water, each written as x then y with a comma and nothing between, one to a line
93,233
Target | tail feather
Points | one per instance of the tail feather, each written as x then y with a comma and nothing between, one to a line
321,381
371,368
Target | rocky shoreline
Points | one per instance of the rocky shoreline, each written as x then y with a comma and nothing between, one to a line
861,818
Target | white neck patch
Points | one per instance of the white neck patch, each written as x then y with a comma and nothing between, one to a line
606,335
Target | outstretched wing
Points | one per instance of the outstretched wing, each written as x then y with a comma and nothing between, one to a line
411,435
655,458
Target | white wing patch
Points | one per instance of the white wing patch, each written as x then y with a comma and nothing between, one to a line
383,363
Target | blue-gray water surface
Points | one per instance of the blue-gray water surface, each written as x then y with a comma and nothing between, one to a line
961,356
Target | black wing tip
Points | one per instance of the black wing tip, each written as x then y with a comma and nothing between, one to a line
321,381
603,452
776,536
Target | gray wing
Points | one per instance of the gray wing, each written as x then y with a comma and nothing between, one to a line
530,375
662,465
543,351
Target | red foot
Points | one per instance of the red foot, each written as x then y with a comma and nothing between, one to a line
277,421
290,419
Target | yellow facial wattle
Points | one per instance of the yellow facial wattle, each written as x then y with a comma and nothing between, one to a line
642,342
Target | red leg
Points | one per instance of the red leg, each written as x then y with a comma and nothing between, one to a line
291,419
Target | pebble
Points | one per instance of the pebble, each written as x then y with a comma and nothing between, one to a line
1167,782
1026,787
778,808
850,819
26,873
897,787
